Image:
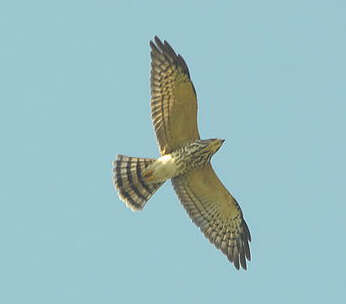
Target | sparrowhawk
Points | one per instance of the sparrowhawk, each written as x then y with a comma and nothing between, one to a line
185,159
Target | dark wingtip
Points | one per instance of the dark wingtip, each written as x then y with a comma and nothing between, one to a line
166,49
236,262
158,42
243,261
156,38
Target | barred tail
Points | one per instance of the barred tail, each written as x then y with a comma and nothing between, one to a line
132,188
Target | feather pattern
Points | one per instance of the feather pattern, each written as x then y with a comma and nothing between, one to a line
173,98
213,209
184,158
128,179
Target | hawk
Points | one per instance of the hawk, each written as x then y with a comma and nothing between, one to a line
185,159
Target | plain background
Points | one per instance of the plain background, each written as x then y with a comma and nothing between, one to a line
74,77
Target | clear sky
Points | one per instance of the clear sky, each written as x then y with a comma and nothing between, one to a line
74,76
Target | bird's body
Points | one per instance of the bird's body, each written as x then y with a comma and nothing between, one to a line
182,160
185,159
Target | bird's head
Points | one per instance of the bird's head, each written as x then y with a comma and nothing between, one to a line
201,151
209,147
215,144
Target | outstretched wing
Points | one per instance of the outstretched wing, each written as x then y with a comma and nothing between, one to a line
216,212
173,101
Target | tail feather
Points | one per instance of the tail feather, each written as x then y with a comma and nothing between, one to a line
132,188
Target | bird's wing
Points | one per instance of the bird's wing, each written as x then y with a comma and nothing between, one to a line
213,209
173,98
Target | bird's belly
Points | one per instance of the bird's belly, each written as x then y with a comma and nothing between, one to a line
162,169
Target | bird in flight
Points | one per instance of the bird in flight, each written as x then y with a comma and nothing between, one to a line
185,159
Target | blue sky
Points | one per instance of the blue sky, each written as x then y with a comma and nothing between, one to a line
270,79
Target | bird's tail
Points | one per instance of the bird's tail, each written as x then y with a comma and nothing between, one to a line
128,180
